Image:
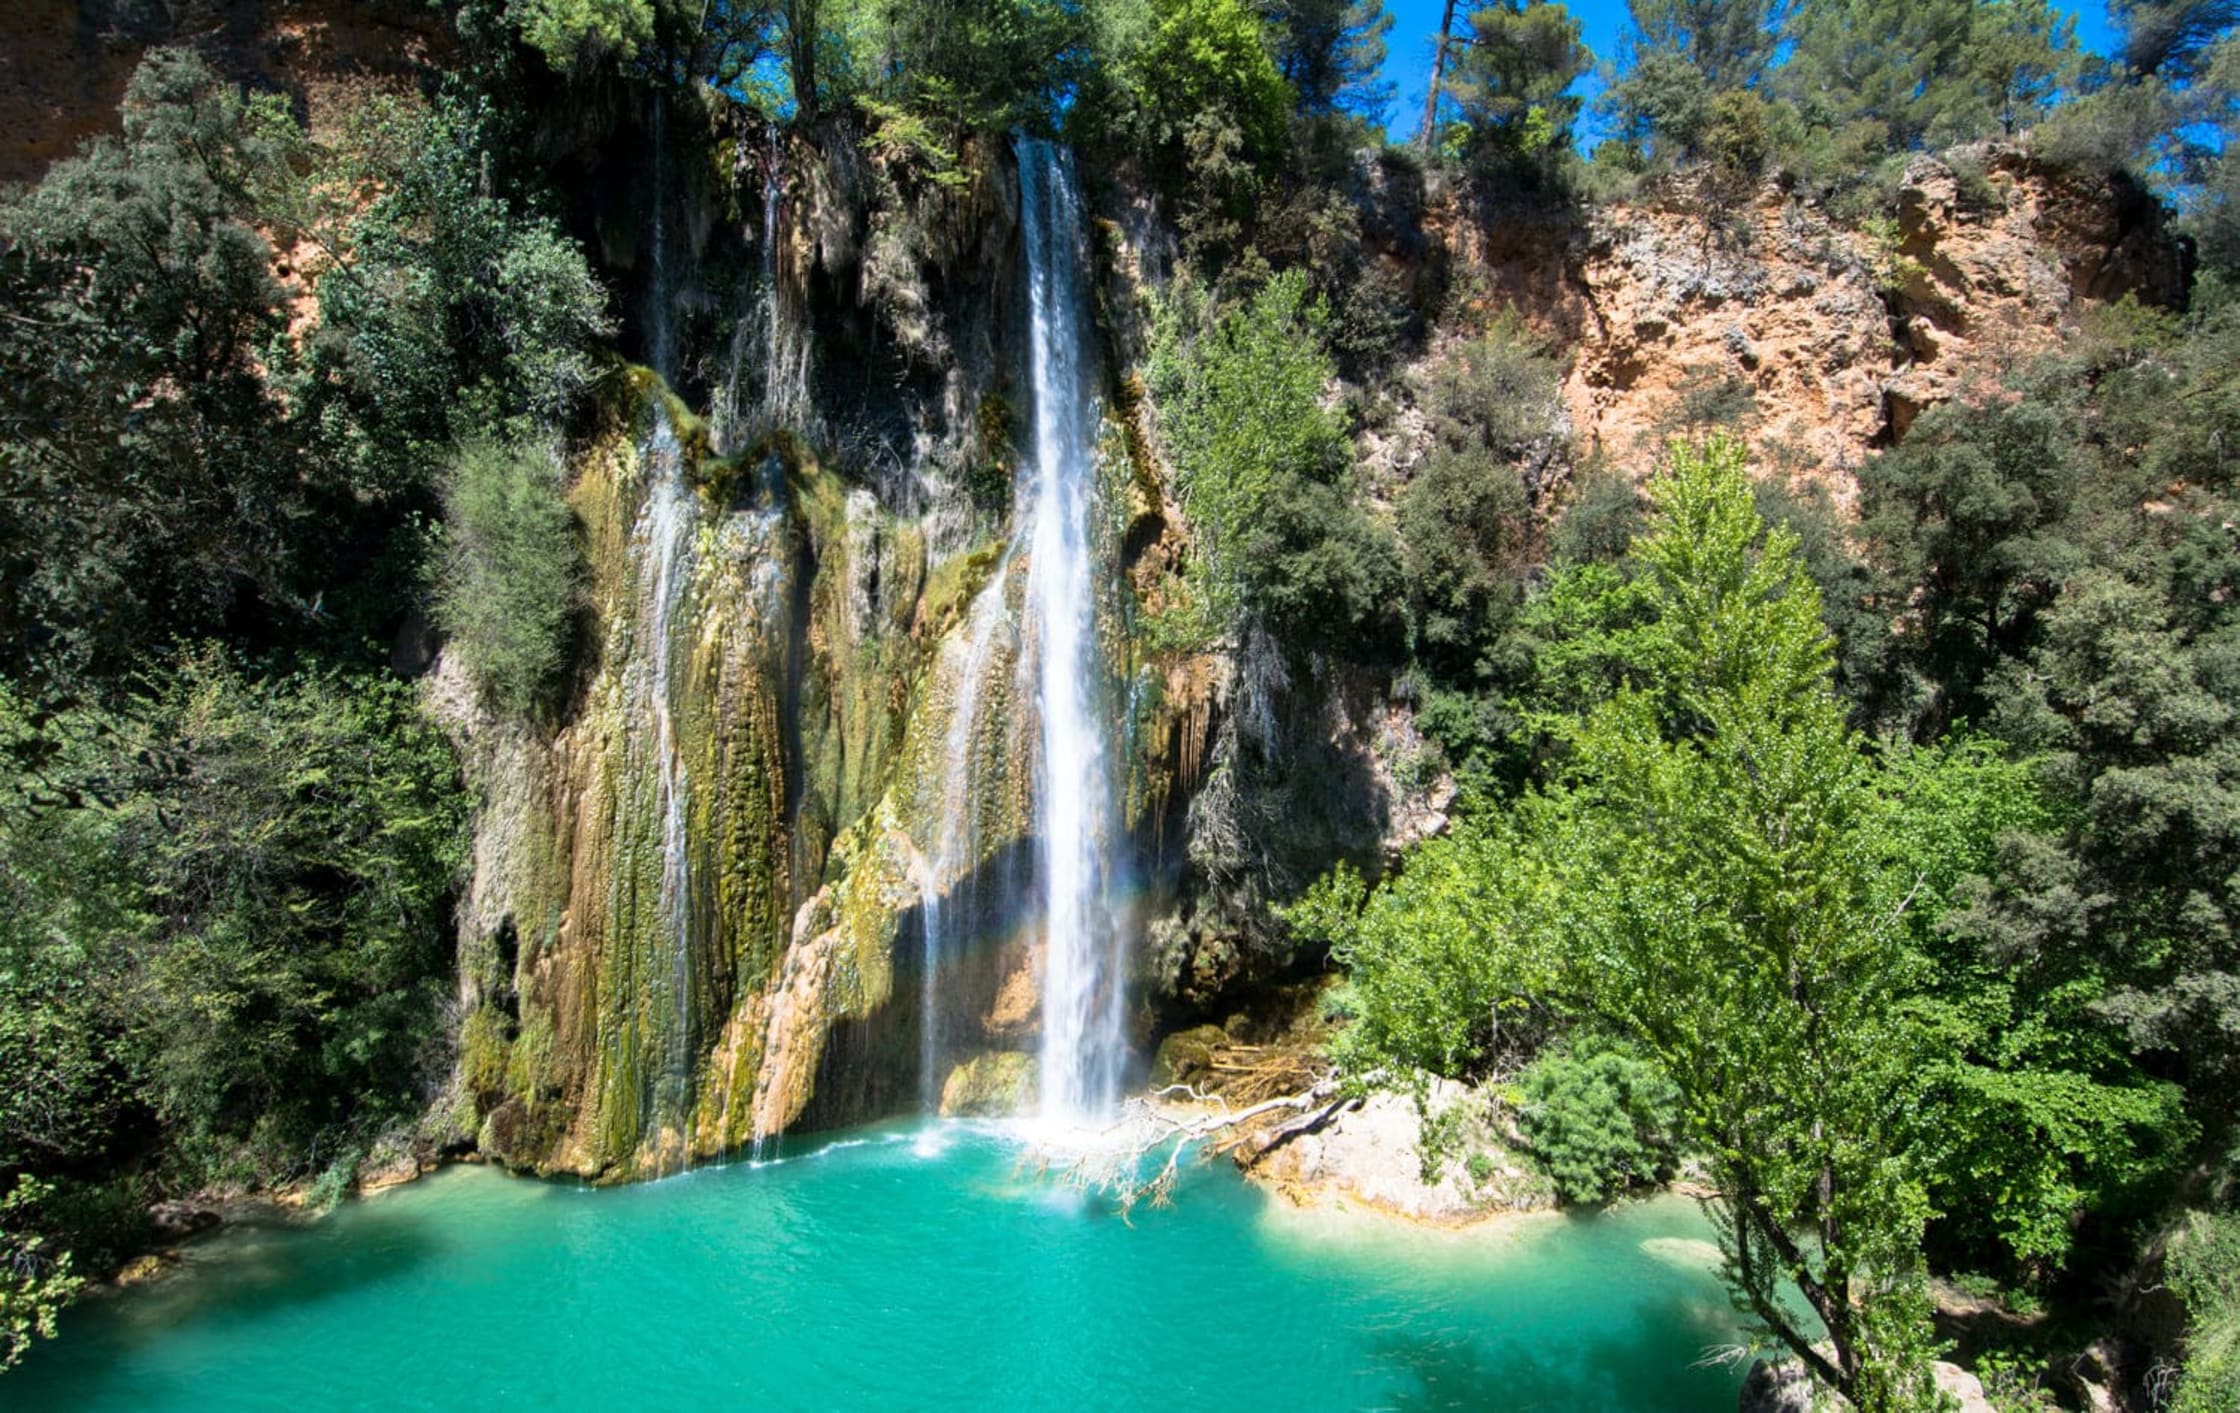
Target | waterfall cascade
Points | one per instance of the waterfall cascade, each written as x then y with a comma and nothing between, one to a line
1076,824
949,906
665,533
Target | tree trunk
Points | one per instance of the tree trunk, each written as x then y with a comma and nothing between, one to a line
1427,136
802,24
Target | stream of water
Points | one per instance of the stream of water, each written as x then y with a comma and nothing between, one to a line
910,1266
1083,1045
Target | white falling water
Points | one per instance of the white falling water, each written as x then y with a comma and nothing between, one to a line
947,901
665,533
1082,1046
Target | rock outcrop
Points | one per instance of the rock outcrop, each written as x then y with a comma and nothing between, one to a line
1823,338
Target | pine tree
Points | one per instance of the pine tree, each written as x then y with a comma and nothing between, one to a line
1331,52
1510,75
1895,73
2024,55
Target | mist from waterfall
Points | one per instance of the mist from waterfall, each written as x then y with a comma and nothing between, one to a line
1083,1046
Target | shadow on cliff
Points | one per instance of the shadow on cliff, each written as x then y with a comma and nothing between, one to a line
872,1065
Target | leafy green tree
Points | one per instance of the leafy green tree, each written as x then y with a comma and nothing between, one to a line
1266,476
971,64
1729,42
299,842
1966,508
2172,39
1446,969
35,1281
1187,92
454,313
2025,57
1687,84
1731,892
148,481
1883,75
512,583
1717,874
577,34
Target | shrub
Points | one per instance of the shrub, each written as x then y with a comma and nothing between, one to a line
512,576
2205,1271
1265,473
1598,1123
1466,517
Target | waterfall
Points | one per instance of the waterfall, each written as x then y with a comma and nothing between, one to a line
1082,1036
775,403
665,533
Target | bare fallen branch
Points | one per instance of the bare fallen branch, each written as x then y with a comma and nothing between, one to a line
1145,1163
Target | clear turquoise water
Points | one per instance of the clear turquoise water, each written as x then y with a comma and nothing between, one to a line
900,1268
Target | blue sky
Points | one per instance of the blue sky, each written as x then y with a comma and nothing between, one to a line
1408,59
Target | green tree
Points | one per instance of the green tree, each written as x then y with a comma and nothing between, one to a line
35,1281
1883,76
300,841
2025,57
1331,52
454,313
2172,39
1968,509
1717,873
1731,892
1511,81
149,482
1684,65
1729,42
1188,92
971,65
578,34
512,583
1465,520
1265,472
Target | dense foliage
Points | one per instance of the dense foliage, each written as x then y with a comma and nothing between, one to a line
235,359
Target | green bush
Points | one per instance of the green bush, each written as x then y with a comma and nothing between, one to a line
512,583
298,842
1598,1123
455,311
1266,477
1466,525
2205,1272
36,1281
